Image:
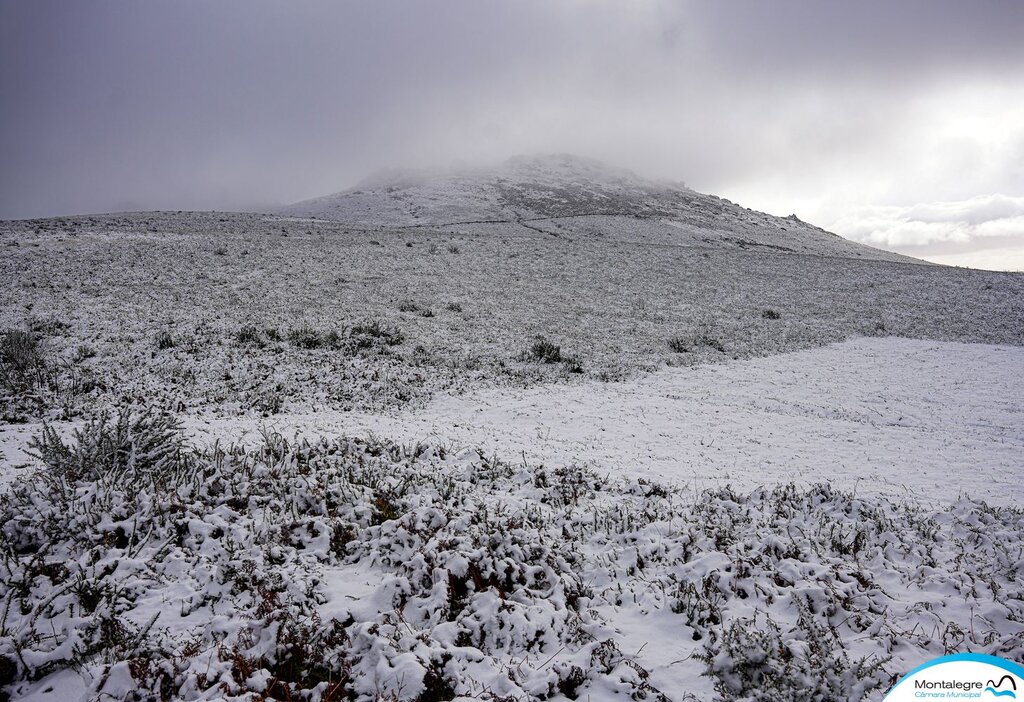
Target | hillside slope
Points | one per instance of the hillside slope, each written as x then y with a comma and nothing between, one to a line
569,196
253,313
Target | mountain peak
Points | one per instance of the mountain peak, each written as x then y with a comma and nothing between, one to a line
570,196
563,168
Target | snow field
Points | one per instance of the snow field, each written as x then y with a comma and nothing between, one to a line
902,418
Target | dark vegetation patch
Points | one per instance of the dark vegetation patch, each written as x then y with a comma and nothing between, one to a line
32,383
544,351
163,340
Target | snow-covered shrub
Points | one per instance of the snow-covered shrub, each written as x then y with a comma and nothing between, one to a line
679,344
756,661
369,333
163,340
23,373
704,338
547,352
83,352
249,334
544,351
32,384
132,451
364,570
19,351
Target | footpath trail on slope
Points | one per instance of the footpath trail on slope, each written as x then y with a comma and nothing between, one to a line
883,416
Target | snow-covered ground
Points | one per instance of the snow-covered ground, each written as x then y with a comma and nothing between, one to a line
433,571
877,415
885,416
239,313
633,441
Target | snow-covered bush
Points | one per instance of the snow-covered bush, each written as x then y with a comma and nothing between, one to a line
364,570
756,661
23,373
30,381
132,451
163,340
19,351
544,351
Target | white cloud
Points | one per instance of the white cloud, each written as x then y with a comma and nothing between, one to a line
1008,259
987,230
977,210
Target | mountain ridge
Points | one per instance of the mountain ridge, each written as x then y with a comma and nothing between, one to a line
573,196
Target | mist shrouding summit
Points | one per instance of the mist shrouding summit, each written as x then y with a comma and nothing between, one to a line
565,196
896,125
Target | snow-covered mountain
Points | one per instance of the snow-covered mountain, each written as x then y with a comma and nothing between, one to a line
565,195
602,478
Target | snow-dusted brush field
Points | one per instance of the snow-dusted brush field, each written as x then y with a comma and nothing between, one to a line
560,434
251,314
135,567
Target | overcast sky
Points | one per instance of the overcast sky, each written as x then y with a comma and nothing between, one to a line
900,124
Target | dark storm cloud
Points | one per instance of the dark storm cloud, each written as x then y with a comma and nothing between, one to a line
194,103
139,105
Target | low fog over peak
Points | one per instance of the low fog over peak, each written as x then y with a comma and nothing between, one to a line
569,168
564,166
859,117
